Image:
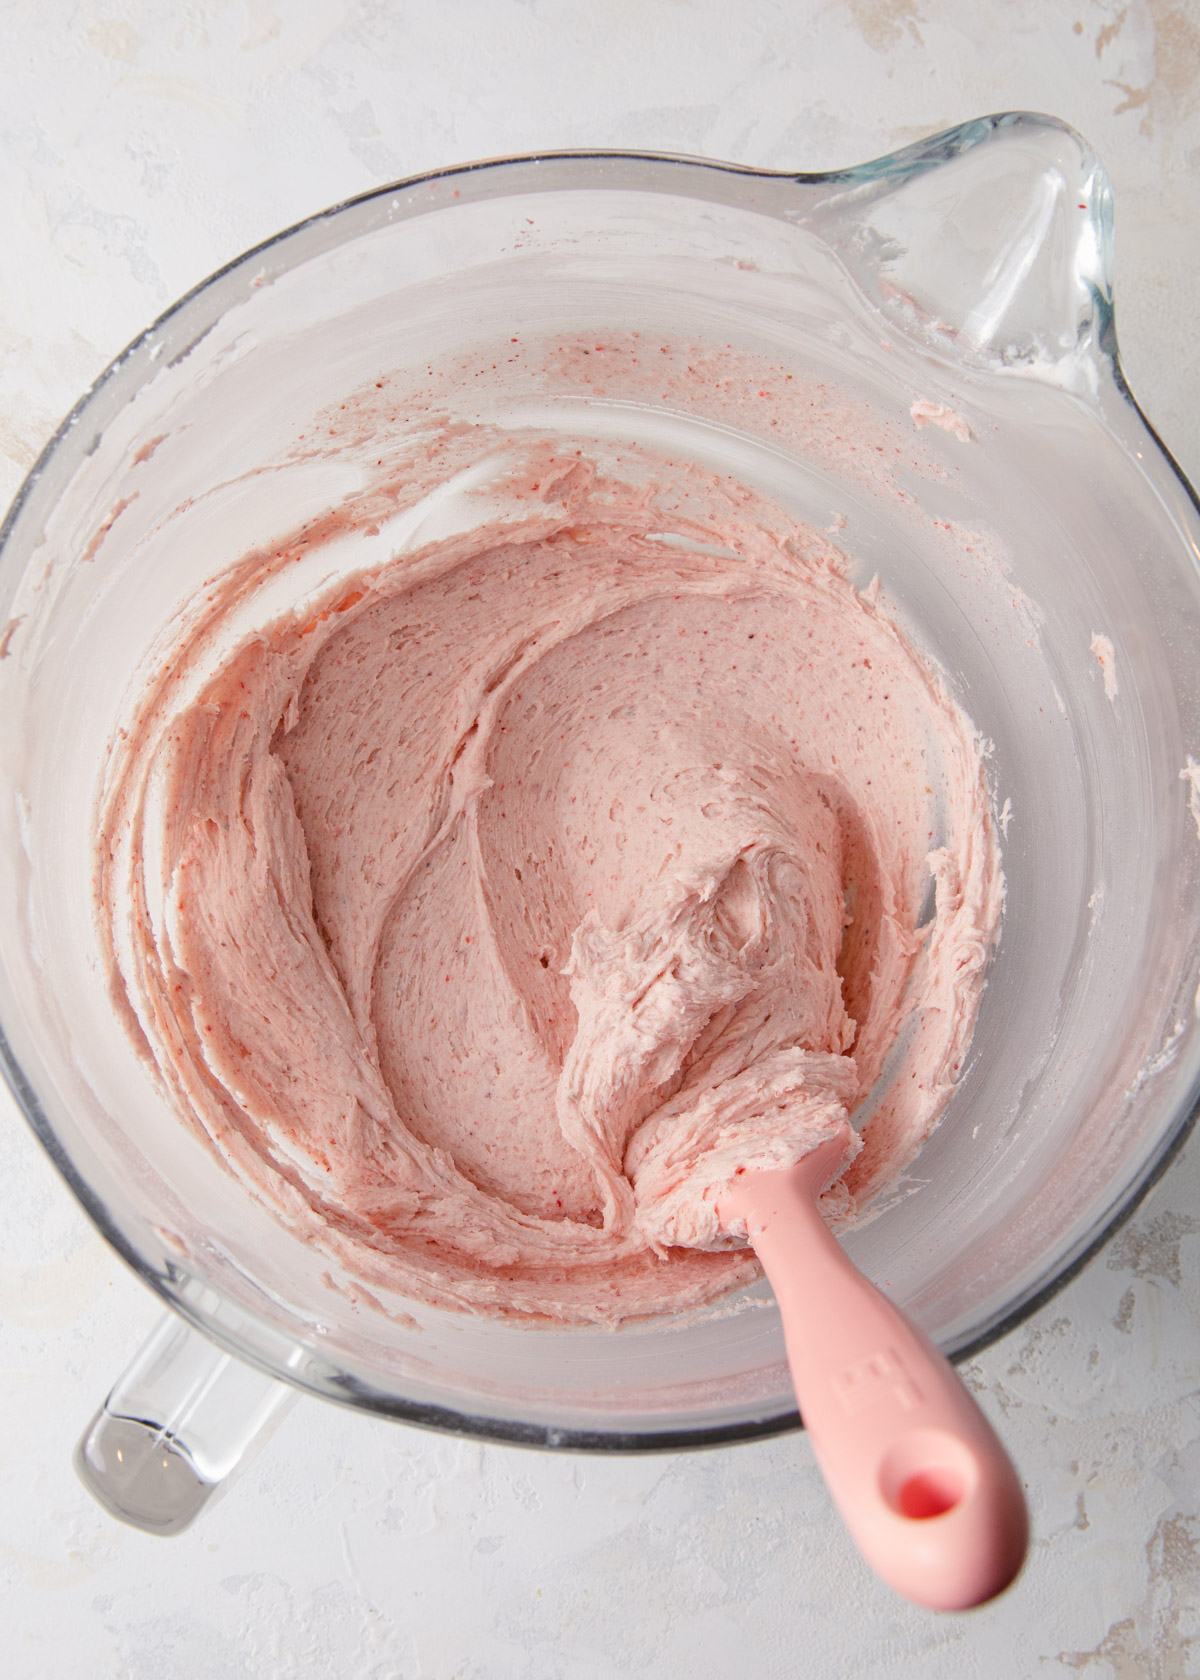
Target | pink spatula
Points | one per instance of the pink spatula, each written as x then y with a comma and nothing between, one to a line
922,1482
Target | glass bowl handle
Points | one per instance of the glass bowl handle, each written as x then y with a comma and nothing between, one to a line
179,1421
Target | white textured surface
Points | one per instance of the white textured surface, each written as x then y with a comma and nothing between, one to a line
142,145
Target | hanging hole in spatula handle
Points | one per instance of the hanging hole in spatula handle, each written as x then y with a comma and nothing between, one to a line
925,1474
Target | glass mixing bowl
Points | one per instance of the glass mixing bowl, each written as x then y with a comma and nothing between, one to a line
970,274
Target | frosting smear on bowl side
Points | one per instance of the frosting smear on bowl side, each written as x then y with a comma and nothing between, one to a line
491,907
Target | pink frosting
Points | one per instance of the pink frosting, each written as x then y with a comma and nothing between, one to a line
489,913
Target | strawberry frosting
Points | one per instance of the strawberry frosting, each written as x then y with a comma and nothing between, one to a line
491,905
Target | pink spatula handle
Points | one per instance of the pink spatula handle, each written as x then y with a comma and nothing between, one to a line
921,1480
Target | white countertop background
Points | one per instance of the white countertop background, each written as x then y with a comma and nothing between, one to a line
142,145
